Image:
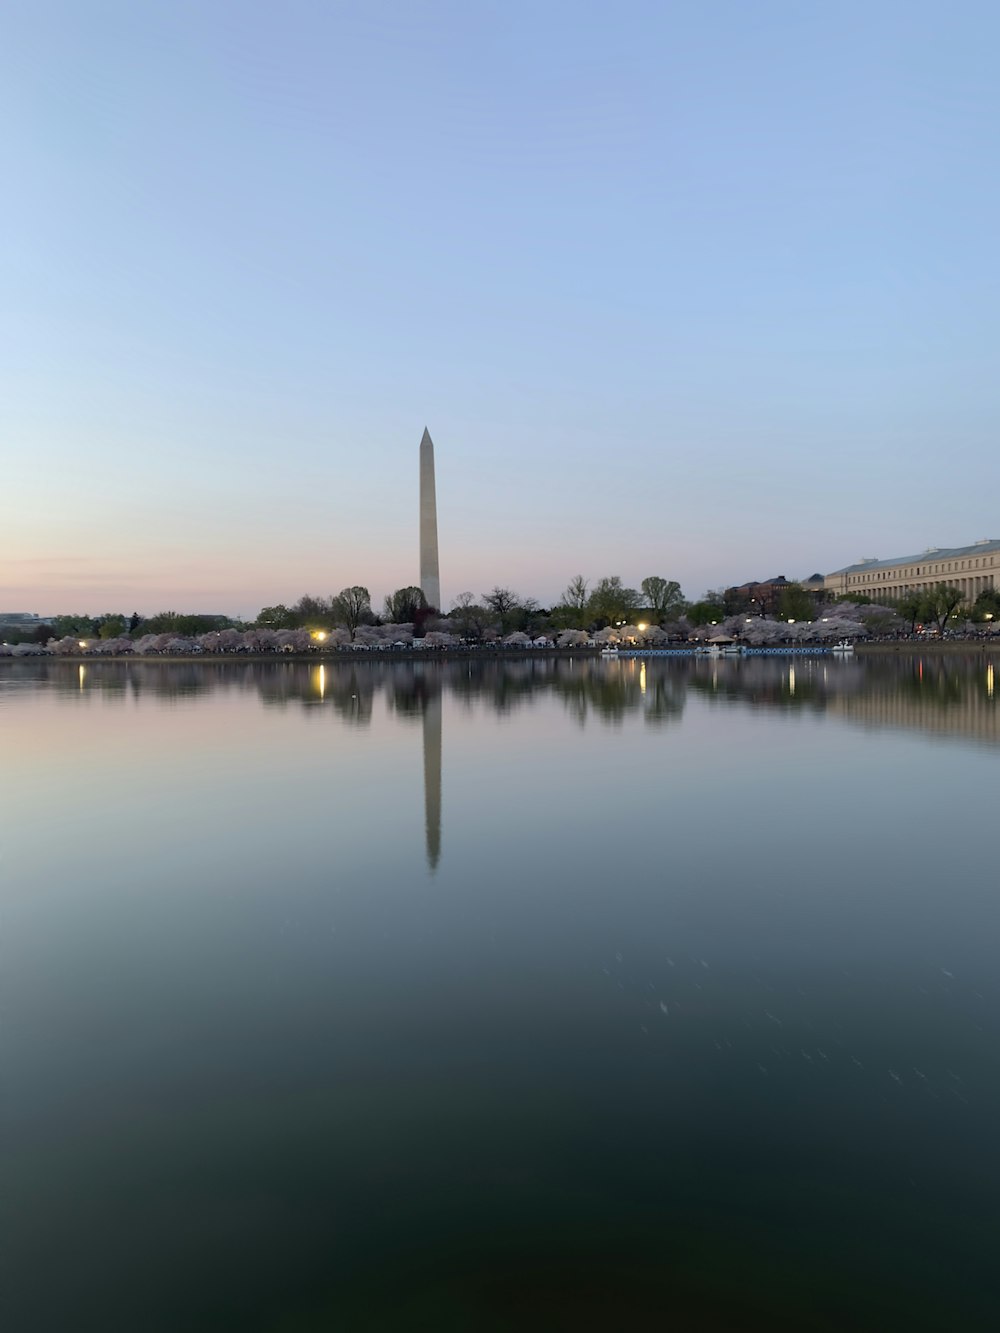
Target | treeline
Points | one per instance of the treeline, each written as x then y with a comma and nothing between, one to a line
937,605
115,625
501,610
608,602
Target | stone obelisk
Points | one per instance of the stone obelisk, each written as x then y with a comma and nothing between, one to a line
430,579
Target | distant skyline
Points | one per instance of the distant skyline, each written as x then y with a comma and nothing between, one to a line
701,290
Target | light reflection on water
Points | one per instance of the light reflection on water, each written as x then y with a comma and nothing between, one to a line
499,994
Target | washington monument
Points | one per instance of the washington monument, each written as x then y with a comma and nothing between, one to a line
430,579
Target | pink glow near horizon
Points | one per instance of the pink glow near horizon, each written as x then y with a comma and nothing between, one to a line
239,576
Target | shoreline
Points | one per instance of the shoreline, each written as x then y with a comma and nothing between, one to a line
327,657
934,647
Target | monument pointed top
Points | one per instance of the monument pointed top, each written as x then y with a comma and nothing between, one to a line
426,437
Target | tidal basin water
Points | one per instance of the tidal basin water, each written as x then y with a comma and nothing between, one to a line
499,996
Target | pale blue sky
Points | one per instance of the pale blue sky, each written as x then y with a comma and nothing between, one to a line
705,289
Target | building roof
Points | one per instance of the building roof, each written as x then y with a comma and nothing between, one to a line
933,553
778,582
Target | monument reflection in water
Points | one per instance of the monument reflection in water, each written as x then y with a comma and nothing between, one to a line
686,1017
432,777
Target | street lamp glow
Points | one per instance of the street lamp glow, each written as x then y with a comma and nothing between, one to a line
791,621
319,635
83,643
642,628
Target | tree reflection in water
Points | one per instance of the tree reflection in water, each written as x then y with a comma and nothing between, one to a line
946,695
952,693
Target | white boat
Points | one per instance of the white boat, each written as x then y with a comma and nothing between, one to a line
609,651
844,648
719,650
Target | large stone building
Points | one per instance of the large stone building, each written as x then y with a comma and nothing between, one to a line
971,569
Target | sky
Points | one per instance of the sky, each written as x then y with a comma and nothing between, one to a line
703,289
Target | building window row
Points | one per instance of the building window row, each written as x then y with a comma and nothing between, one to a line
945,567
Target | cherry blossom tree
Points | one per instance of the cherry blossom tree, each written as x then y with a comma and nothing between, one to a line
260,641
65,647
114,647
367,635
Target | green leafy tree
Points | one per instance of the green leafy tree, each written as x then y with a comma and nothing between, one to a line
271,617
913,607
181,624
710,608
663,598
943,602
796,604
65,627
401,606
987,605
611,601
111,627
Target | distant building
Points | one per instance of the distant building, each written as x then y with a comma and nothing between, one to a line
760,598
972,569
18,626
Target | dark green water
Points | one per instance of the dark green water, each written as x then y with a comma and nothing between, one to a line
514,996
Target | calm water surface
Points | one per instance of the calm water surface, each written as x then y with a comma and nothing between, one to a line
517,995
